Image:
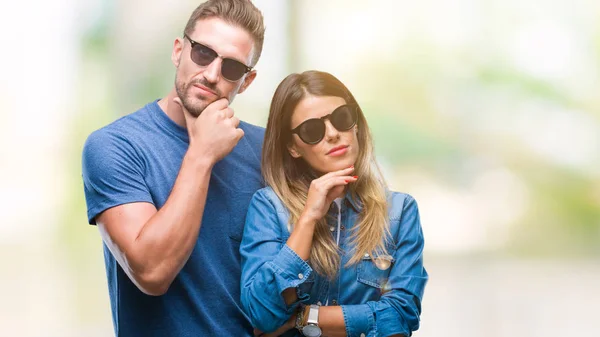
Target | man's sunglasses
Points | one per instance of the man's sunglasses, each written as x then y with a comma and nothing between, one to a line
232,70
312,131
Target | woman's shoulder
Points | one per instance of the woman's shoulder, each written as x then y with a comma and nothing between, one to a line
267,194
404,216
399,203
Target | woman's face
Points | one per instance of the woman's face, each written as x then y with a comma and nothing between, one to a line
337,150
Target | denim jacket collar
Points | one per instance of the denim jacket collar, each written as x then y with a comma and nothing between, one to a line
354,201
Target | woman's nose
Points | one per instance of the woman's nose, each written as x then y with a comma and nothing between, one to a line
331,133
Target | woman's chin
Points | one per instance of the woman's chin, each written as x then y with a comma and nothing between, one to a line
339,166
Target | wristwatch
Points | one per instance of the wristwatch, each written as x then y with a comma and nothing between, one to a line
311,329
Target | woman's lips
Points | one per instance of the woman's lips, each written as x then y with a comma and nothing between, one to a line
338,151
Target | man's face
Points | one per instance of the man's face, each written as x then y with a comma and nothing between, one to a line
198,86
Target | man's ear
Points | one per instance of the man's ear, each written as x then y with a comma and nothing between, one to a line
247,81
293,151
176,53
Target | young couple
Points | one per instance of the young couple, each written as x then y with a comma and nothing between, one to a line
195,244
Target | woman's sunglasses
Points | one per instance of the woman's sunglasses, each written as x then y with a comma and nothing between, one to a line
312,131
232,70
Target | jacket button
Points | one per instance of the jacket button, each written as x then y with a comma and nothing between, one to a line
334,302
301,276
331,228
362,335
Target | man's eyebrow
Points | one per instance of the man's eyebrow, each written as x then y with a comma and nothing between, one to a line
213,48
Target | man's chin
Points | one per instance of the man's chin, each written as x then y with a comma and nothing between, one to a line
195,106
194,110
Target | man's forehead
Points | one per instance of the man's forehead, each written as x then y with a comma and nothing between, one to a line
225,38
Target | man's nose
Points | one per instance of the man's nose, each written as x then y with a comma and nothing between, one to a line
213,70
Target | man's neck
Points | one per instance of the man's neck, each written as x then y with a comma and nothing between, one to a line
170,108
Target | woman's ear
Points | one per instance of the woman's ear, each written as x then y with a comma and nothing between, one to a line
293,151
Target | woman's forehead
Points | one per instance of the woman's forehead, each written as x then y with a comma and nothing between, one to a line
316,107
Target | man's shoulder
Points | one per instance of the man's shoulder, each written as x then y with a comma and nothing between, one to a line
252,142
124,129
117,141
252,131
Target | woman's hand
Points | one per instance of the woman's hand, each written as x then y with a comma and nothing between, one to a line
321,194
324,190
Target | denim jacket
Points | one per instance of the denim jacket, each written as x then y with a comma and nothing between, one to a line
374,302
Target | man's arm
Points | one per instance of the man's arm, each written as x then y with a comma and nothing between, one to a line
152,246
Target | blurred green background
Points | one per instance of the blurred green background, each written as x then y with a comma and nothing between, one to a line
486,111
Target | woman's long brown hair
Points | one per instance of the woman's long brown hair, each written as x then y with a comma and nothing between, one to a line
290,178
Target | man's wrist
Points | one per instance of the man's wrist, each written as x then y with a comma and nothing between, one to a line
199,161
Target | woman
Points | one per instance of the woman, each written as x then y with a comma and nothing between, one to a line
327,249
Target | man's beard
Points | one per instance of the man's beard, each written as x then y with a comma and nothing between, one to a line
183,93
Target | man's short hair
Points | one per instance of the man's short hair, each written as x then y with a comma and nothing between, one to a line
241,13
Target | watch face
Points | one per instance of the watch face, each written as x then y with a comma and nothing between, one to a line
311,331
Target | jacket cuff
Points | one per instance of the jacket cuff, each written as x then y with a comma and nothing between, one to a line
291,271
359,320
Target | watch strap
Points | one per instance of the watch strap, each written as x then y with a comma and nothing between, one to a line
301,315
313,315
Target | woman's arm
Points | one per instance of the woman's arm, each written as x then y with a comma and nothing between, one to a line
397,312
321,194
269,267
331,322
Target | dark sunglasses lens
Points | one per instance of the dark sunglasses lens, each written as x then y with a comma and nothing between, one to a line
312,131
202,55
344,117
232,69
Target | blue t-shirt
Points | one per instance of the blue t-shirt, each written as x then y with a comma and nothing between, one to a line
136,159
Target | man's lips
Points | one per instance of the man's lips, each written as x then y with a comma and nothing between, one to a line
337,148
205,89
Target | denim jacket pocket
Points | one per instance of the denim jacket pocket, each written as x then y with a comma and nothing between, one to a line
375,271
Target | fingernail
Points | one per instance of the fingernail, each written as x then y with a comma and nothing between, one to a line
355,177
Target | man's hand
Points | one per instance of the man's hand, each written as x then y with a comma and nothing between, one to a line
215,132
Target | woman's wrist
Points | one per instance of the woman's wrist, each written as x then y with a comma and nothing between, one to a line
301,316
307,219
298,315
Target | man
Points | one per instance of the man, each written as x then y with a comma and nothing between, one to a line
168,186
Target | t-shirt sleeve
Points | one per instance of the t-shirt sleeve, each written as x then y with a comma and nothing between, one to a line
113,173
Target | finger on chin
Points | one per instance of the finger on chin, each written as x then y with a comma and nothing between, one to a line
220,104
